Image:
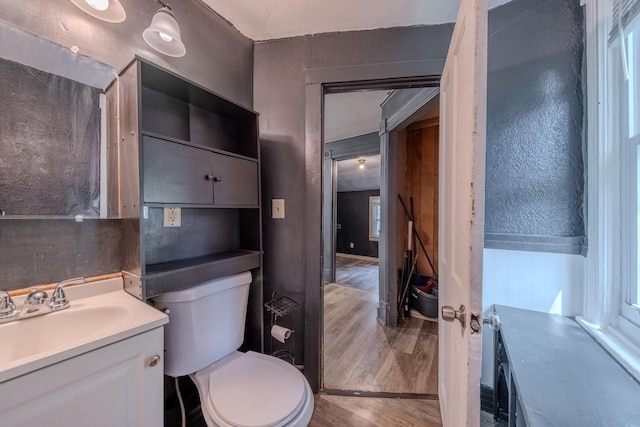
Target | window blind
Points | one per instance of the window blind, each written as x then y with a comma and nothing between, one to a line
623,12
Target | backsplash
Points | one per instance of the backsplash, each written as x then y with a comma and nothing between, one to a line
38,251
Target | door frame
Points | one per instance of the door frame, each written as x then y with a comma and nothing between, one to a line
318,84
410,107
348,148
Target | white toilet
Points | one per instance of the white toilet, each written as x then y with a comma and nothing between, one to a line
206,327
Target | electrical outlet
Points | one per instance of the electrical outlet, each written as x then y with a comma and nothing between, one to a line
351,245
172,217
277,208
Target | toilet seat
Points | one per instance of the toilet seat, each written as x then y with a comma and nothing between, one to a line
254,390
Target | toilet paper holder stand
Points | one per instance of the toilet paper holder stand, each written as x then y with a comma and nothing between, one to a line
280,307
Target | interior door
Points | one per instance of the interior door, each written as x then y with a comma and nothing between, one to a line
461,224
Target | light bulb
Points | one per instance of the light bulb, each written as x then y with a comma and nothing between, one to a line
361,166
165,37
98,4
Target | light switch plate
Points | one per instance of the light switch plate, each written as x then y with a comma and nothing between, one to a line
172,217
277,208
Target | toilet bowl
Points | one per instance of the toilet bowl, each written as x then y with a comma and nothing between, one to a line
205,329
254,390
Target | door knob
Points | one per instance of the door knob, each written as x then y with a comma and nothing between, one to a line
493,320
153,361
450,314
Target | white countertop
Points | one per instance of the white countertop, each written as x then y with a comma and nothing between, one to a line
100,314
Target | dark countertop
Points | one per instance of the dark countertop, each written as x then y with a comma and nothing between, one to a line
563,376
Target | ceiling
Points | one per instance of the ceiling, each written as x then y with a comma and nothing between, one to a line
352,178
352,113
276,19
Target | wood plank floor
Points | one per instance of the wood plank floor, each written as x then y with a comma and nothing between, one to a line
347,411
360,354
357,273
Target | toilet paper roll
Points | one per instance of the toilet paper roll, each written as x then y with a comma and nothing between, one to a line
280,333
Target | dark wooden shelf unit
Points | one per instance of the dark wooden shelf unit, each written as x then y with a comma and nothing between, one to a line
160,278
173,143
175,108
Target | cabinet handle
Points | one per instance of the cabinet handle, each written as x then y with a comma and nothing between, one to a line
209,177
217,179
153,361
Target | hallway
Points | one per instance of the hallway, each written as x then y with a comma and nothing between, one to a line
359,353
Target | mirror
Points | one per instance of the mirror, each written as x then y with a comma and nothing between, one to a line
52,144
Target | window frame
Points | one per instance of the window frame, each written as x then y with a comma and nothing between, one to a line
374,235
631,143
611,265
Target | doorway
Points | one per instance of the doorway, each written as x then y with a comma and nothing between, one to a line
365,350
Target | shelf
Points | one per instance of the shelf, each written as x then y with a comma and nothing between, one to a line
193,206
171,84
200,146
281,306
174,275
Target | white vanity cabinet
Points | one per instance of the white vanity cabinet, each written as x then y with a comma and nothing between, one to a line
120,384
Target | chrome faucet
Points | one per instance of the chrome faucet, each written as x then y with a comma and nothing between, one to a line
36,302
59,300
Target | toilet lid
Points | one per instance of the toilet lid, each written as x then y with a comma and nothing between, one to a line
254,390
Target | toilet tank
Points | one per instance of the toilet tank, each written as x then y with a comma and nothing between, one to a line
206,323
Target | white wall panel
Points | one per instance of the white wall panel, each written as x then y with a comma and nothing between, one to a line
546,282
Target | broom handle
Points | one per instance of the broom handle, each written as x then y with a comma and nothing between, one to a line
415,232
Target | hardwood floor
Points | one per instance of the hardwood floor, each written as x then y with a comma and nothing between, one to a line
347,411
329,411
360,354
357,273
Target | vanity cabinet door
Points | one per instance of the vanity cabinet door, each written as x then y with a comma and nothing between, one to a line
117,385
176,173
235,181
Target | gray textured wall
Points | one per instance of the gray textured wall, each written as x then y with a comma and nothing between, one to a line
35,251
353,216
38,251
286,73
535,165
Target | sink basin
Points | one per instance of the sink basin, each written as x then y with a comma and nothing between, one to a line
36,335
89,323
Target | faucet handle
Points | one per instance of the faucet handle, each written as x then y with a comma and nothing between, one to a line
7,307
36,297
59,300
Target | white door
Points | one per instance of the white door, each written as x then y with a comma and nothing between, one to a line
461,226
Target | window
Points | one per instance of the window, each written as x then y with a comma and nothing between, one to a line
625,98
611,310
374,218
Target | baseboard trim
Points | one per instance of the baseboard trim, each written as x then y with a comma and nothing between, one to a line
354,256
379,394
573,245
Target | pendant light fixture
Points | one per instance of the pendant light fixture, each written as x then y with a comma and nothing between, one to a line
105,10
164,33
